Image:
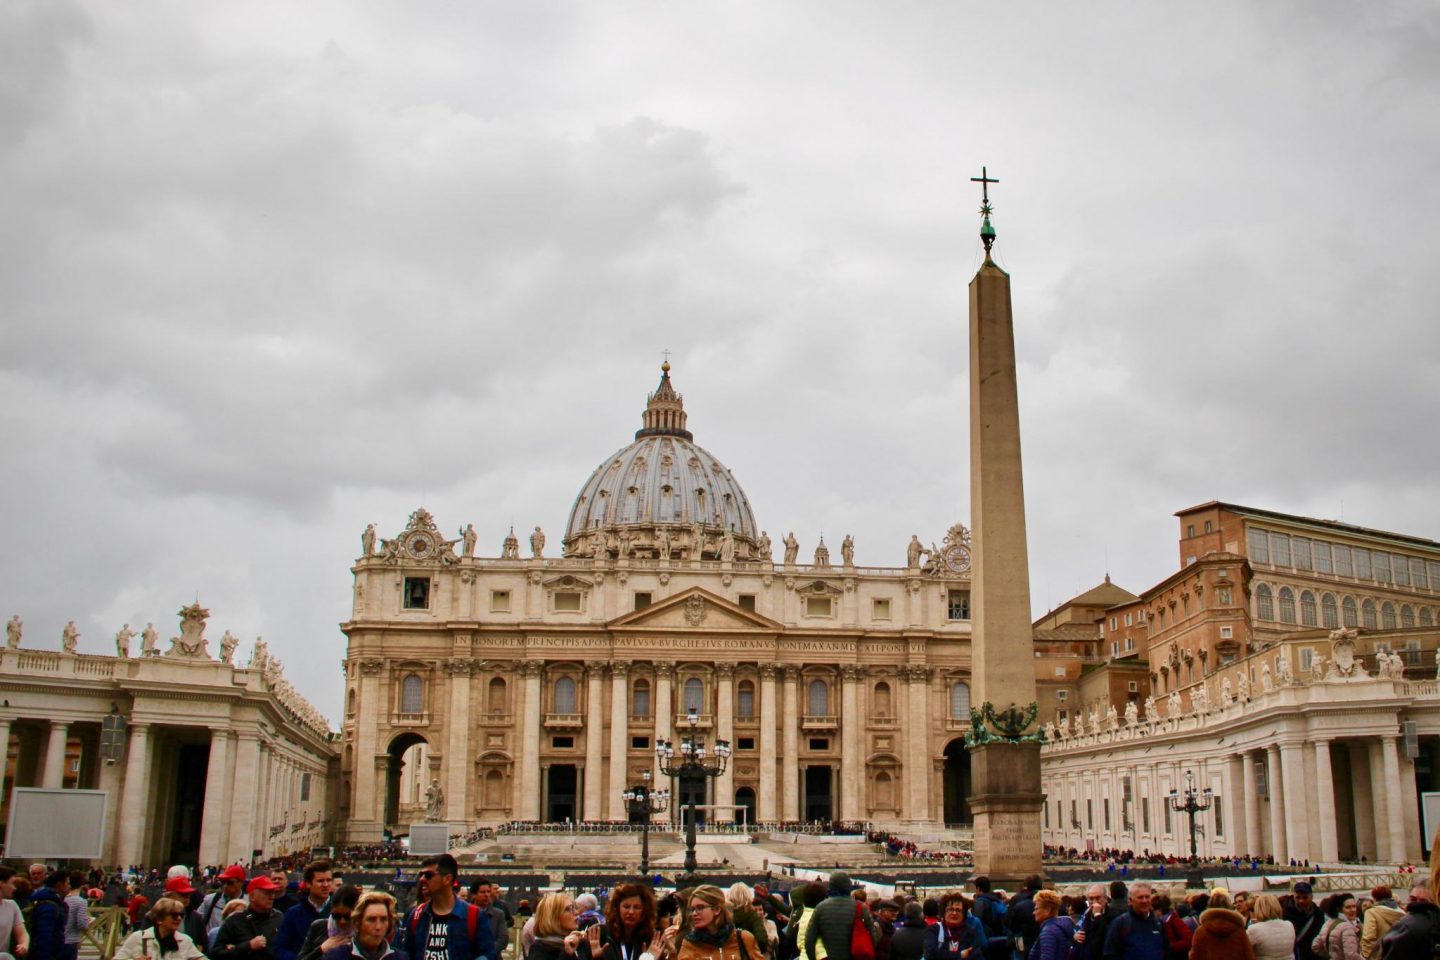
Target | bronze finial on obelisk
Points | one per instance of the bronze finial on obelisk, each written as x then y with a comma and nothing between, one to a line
1004,740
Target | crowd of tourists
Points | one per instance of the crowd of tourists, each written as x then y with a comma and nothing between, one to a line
232,914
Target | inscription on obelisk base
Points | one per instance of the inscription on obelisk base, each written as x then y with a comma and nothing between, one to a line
1007,823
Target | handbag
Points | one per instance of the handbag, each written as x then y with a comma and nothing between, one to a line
861,946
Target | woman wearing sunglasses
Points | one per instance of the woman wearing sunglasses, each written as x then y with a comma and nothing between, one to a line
333,931
712,935
163,941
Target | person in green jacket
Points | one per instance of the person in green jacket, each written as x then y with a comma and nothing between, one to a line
744,915
828,933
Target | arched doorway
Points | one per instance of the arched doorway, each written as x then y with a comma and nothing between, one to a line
745,797
957,782
403,754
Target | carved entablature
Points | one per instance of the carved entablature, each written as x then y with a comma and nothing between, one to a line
371,666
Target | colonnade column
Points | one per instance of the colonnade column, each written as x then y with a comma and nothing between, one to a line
1394,812
134,794
458,763
852,763
54,775
215,815
1325,789
619,737
1275,782
790,743
725,730
766,799
917,764
529,801
1364,807
1297,824
664,717
1252,803
245,798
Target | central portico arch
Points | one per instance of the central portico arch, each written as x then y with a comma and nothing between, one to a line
400,757
957,782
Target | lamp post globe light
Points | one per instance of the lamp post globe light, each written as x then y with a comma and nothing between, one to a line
693,765
644,803
1191,802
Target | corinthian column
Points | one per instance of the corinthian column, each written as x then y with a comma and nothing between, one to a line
132,803
725,730
664,715
594,742
790,724
852,763
767,810
457,753
528,803
917,736
619,736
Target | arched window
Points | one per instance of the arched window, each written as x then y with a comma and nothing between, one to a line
1427,619
1307,608
960,701
1387,615
1328,613
496,697
694,695
745,699
817,699
565,695
412,694
1407,616
1264,602
1287,605
494,789
351,707
640,698
1348,607
881,700
884,791
1367,614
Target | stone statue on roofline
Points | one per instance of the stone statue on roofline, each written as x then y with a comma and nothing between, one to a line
762,548
537,544
14,627
122,642
69,637
367,541
149,641
792,548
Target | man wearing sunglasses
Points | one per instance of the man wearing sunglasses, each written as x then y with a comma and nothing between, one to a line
445,927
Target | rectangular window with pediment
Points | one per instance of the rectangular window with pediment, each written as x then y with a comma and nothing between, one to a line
566,601
819,607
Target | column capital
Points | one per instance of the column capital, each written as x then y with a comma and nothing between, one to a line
371,666
619,669
595,670
769,670
852,672
725,671
792,674
460,667
532,668
664,669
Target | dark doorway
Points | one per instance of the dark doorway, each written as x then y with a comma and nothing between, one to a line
692,790
819,793
561,783
192,761
745,797
396,766
957,783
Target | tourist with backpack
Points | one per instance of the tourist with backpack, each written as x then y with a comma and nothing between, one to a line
990,909
444,927
1020,918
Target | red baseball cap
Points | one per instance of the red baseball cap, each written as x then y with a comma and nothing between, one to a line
233,872
178,885
262,882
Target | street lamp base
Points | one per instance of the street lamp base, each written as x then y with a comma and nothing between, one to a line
1194,879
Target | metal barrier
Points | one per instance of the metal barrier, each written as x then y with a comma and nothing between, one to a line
106,930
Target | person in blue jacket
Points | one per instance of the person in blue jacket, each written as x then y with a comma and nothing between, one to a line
958,935
319,880
47,917
443,928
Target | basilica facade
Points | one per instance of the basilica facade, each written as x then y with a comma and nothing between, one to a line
534,687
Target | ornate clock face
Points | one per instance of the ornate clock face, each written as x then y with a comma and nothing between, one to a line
957,558
420,546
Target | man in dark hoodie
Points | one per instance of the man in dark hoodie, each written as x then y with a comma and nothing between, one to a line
1089,942
909,940
1415,936
1020,918
990,910
47,917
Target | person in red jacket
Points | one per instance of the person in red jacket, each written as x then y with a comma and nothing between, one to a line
1176,931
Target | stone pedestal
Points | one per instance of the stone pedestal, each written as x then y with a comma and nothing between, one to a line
1007,811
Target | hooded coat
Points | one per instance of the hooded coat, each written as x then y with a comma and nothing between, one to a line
1221,936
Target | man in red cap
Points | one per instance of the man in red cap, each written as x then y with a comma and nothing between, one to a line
212,908
250,934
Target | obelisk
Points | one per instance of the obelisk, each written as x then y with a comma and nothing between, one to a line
1004,740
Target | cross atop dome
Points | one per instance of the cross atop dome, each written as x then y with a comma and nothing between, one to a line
664,414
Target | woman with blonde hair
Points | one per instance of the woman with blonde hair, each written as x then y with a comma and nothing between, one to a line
372,927
1057,931
1272,935
557,930
743,914
163,941
713,936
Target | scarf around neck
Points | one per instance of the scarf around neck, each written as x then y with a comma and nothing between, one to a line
707,939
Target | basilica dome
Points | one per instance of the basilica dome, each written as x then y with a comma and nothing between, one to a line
662,496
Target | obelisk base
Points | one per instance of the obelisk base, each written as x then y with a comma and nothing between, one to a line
1007,811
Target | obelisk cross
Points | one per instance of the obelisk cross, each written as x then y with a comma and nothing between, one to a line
984,180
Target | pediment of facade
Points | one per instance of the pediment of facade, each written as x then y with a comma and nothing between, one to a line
696,609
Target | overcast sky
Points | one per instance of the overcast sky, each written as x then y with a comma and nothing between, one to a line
270,272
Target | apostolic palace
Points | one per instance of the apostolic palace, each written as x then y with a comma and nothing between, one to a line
531,686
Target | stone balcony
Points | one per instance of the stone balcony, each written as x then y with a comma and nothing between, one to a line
819,723
564,721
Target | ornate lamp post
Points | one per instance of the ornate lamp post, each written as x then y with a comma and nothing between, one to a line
1191,802
695,765
643,803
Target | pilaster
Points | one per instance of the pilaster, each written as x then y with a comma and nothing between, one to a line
619,737
766,798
